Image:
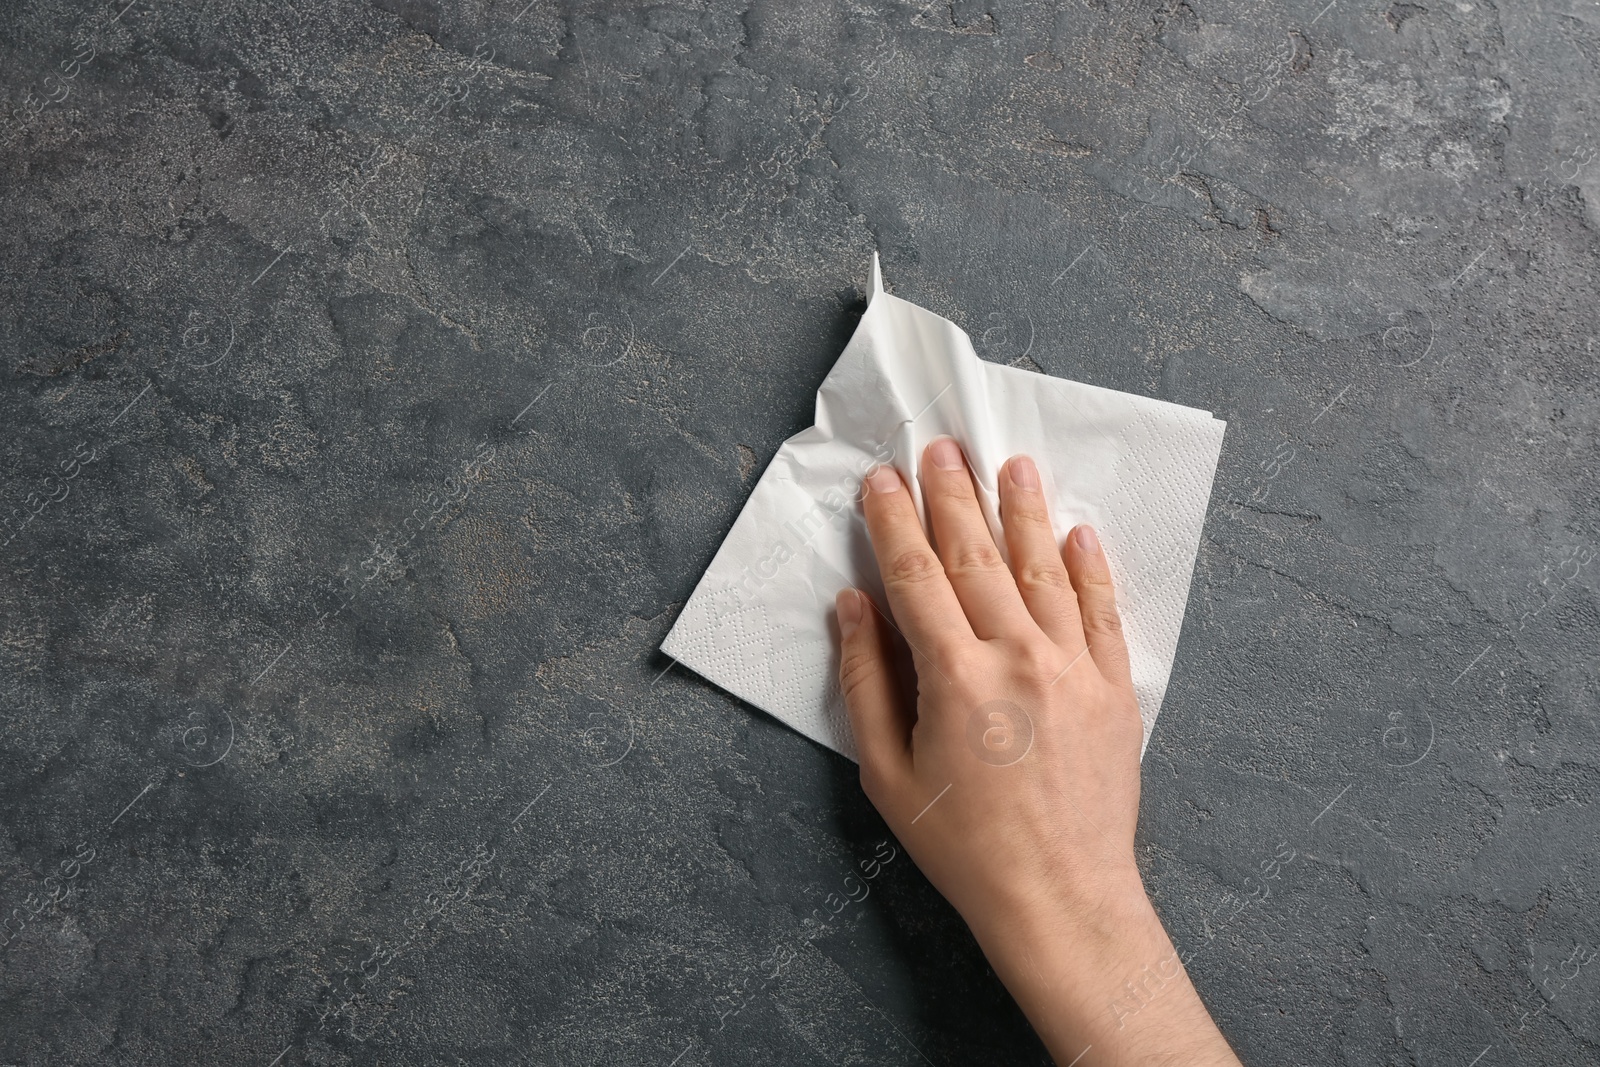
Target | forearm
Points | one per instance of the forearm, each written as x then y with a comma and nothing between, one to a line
1102,983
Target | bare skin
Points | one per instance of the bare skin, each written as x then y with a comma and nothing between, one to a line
1011,774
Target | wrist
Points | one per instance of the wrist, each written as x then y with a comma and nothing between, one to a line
1096,917
1096,970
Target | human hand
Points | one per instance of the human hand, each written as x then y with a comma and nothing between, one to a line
1011,774
1014,780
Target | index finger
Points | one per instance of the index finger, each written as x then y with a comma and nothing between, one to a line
924,604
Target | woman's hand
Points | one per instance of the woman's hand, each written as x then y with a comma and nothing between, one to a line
1011,774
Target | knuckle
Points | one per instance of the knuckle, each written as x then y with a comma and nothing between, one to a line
913,566
961,661
855,668
1026,511
1103,619
952,485
1040,661
975,557
1098,578
1042,577
1044,658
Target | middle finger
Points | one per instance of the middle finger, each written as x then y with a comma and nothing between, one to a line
973,563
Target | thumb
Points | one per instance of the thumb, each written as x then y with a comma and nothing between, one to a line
879,716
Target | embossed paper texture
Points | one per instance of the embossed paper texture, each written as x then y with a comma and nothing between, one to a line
760,622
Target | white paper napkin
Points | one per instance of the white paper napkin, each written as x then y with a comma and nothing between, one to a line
760,623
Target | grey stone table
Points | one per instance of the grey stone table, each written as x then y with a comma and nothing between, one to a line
380,377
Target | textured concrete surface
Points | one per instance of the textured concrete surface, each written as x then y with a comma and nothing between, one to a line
379,377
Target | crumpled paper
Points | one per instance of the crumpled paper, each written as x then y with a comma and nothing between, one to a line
761,624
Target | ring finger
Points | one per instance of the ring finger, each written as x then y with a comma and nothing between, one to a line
1036,564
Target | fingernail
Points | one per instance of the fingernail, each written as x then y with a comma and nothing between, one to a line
946,454
884,480
1024,475
1087,539
848,605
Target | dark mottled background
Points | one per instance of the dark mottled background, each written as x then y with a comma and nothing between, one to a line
380,376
